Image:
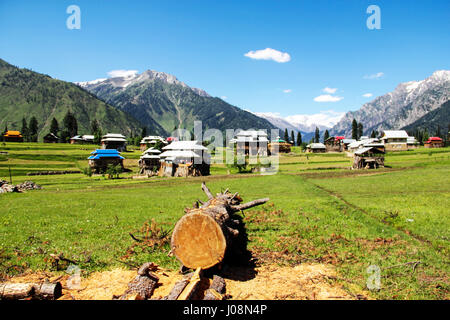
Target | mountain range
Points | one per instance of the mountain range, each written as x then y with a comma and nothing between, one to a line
163,103
410,105
127,102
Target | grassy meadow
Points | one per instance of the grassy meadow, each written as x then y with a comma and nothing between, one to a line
396,218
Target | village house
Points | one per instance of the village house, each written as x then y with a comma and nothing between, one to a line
316,148
114,141
345,143
412,143
371,142
51,138
100,159
12,136
151,141
149,162
334,144
84,139
279,146
368,158
184,158
395,140
251,142
434,142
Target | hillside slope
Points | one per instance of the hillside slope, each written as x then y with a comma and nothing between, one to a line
438,117
24,93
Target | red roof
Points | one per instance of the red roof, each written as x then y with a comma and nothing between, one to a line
434,139
339,138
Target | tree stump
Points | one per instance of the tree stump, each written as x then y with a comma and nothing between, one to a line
210,230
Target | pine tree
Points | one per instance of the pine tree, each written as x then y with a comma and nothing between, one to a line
360,130
317,135
25,131
94,126
299,139
286,135
326,135
70,127
354,129
438,131
373,134
54,127
4,132
33,129
292,137
144,132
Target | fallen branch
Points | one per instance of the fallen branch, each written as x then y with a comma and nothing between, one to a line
413,263
134,238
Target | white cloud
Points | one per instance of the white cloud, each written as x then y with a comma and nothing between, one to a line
287,91
269,54
374,76
327,98
367,95
122,73
304,122
223,97
327,118
329,90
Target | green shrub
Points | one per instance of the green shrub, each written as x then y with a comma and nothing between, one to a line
113,171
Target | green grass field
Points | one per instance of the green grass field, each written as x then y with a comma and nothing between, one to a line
319,212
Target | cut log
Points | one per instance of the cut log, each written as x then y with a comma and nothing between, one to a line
212,294
143,285
218,284
204,235
14,291
177,289
47,291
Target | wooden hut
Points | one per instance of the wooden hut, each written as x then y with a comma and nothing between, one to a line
51,138
12,136
368,158
184,158
279,146
395,140
151,141
149,162
251,142
412,143
434,142
345,143
100,159
114,141
334,144
316,148
84,139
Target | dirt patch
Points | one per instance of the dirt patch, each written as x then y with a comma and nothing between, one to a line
305,281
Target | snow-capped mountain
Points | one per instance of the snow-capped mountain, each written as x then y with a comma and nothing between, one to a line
397,109
163,103
124,79
303,122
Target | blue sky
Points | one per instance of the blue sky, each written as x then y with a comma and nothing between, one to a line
203,43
